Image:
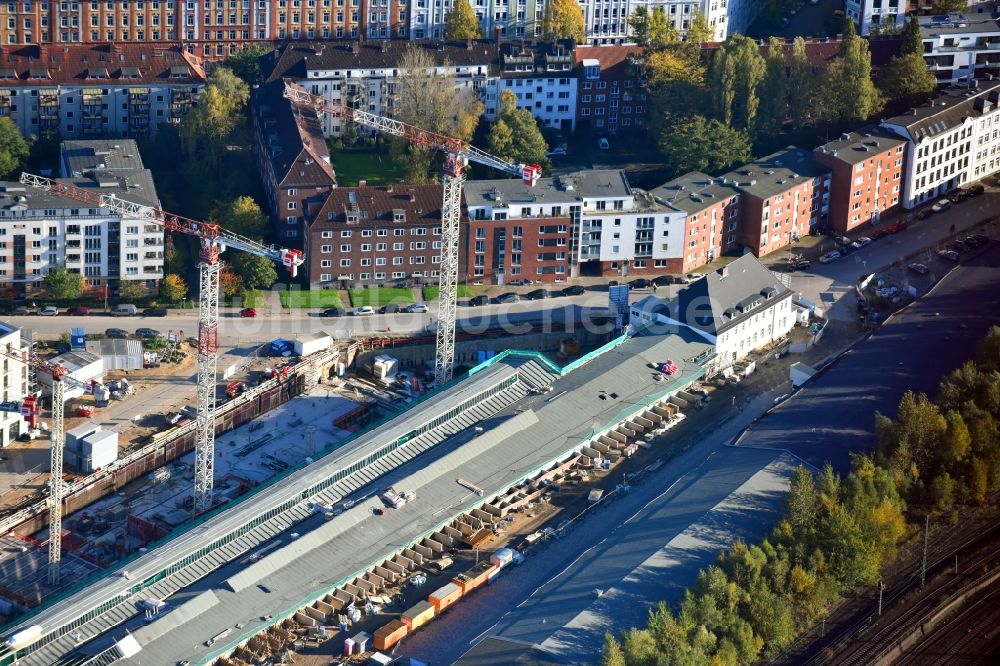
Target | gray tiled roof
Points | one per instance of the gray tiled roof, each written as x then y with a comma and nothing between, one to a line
948,110
776,173
558,189
694,192
726,297
854,147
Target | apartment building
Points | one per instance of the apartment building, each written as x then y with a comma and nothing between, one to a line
866,176
959,47
712,215
40,230
292,158
84,90
876,15
15,385
783,196
610,97
952,141
542,77
375,235
364,75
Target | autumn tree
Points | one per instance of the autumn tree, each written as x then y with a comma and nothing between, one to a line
13,148
515,136
462,22
173,289
426,98
701,144
62,283
563,19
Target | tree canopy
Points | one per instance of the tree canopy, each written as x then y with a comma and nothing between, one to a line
62,284
14,149
563,19
462,22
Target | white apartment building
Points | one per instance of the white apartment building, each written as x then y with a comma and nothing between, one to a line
951,142
85,90
542,78
958,47
870,14
739,308
364,75
15,385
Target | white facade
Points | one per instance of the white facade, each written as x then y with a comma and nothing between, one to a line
869,14
951,147
15,385
958,46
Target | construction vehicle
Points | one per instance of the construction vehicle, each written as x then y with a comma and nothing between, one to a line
458,154
213,240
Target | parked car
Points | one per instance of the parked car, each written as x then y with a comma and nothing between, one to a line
950,255
941,205
640,283
48,311
538,294
959,246
78,311
116,333
332,312
603,144
476,301
509,297
573,290
861,242
147,333
389,308
830,257
248,312
154,312
417,308
919,269
363,311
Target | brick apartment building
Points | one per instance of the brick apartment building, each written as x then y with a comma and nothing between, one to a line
375,235
866,171
292,158
609,98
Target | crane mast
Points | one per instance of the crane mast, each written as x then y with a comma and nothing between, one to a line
458,154
213,240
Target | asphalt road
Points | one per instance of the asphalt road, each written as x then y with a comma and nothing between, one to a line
833,414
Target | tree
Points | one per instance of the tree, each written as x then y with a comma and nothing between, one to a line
243,216
430,100
462,22
62,284
173,289
246,63
219,111
515,136
13,148
849,95
698,143
132,290
801,85
737,70
906,80
774,89
699,30
913,43
256,272
564,20
611,652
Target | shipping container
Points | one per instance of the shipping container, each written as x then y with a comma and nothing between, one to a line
388,635
445,596
418,615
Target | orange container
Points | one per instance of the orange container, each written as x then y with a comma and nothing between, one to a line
388,635
445,596
420,614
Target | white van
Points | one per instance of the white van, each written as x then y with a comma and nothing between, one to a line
125,310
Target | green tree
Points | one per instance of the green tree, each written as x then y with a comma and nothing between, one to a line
913,43
257,272
515,136
14,149
700,144
849,95
906,80
246,63
132,290
774,89
62,283
611,652
243,216
801,85
173,289
563,21
737,71
699,30
462,22
205,128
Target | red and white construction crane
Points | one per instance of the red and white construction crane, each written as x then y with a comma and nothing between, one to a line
59,379
213,240
458,154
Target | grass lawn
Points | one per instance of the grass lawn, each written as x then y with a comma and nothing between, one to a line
430,292
315,298
380,296
367,165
